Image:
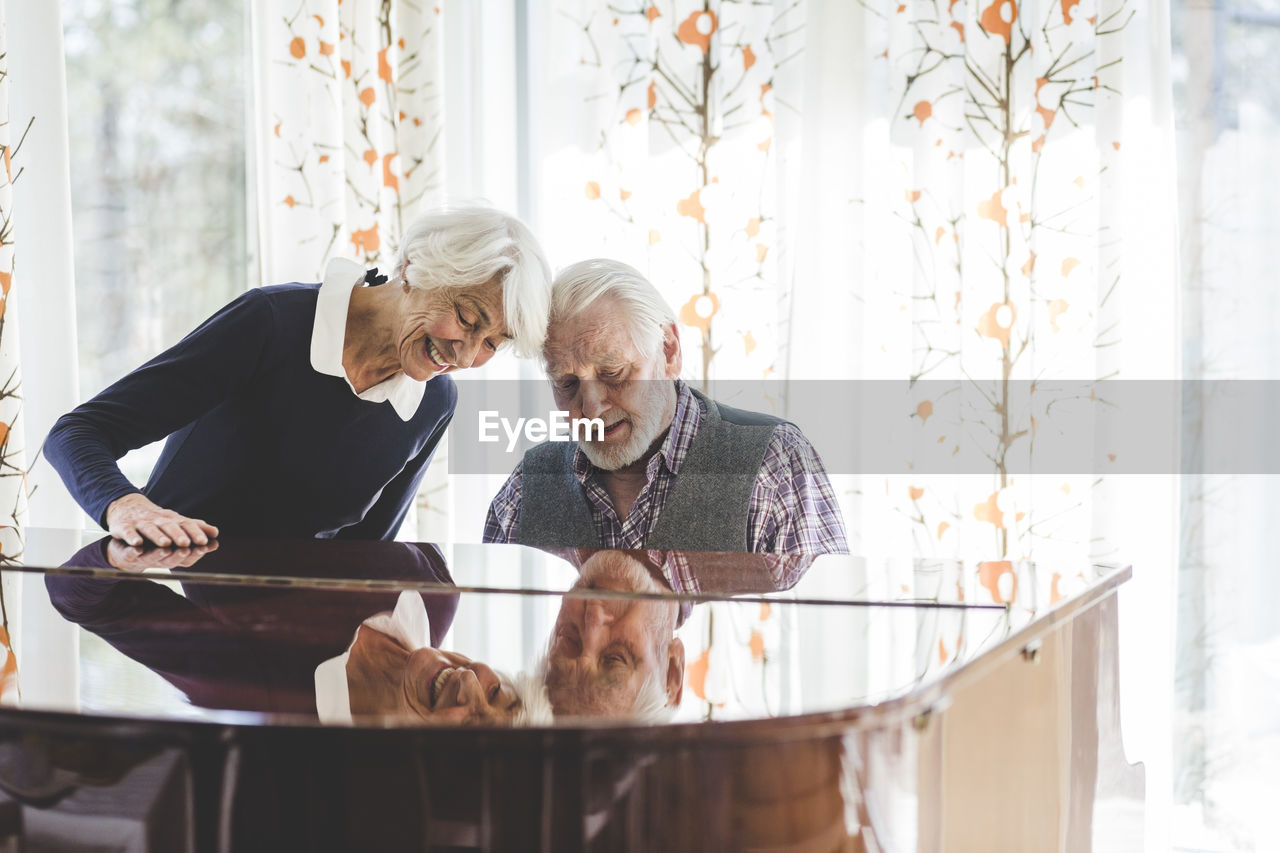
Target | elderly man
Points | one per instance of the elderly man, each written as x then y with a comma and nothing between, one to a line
673,469
617,656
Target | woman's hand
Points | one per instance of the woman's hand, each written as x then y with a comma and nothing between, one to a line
136,520
130,558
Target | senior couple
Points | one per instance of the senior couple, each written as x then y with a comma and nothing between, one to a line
313,410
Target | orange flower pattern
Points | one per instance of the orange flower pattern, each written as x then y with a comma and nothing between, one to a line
998,18
697,30
684,161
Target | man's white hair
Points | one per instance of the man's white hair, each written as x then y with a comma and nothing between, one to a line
639,305
463,246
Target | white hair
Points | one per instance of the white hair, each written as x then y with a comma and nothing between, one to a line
463,246
651,700
535,706
639,304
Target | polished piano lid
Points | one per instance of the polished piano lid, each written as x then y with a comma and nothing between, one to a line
378,634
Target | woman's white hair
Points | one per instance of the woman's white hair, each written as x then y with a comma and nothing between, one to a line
535,707
639,304
463,246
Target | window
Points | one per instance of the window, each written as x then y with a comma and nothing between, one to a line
156,93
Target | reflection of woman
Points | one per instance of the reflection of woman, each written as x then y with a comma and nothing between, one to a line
240,646
305,410
271,649
392,671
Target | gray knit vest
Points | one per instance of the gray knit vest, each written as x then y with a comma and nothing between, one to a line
706,510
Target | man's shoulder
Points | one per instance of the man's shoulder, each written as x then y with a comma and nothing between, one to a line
745,417
740,417
788,439
547,457
786,446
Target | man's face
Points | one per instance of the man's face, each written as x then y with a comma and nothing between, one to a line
606,653
596,371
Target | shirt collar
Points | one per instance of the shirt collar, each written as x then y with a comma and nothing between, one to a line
341,276
409,625
684,426
674,448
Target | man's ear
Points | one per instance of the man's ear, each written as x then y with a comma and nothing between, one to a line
675,672
671,350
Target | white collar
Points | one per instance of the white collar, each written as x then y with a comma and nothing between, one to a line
342,276
409,625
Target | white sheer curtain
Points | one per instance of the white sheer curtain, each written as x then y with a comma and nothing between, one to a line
38,255
42,230
976,190
1227,723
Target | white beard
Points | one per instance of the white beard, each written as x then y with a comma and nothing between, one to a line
654,415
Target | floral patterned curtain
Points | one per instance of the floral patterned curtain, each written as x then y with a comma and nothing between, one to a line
660,151
908,190
1001,199
13,467
348,126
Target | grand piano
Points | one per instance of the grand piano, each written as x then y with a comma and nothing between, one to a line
158,703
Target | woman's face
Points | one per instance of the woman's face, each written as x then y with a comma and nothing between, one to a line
447,687
445,329
386,680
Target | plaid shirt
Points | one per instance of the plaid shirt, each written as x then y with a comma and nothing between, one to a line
792,510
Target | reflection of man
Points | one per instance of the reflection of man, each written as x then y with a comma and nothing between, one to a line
673,469
615,656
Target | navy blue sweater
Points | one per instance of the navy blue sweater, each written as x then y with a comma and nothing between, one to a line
260,444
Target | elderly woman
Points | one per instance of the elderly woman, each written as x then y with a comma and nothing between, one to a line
310,410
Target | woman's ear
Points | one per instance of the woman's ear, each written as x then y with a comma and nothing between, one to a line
675,672
671,350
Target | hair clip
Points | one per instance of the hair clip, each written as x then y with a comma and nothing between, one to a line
372,278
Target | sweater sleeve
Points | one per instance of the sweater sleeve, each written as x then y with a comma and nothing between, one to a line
159,398
384,518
